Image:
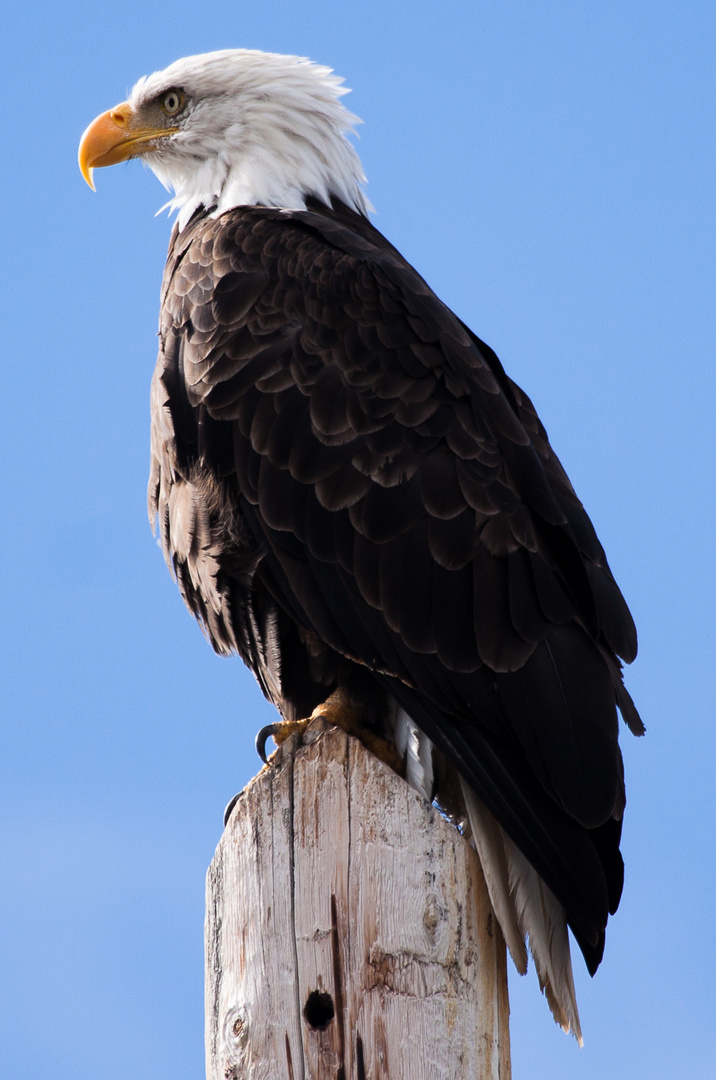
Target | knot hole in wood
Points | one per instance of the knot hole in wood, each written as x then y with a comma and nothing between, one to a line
319,1010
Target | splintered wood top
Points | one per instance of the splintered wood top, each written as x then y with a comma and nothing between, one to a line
349,933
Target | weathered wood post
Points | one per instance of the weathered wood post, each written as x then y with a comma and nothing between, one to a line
349,934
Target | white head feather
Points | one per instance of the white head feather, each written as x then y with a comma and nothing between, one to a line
257,129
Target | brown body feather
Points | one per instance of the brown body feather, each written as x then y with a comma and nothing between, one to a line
351,491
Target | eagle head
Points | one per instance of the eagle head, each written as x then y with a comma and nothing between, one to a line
235,128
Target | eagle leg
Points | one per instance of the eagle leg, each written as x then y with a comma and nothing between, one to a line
340,710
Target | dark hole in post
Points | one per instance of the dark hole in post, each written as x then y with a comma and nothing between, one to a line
360,1063
318,1010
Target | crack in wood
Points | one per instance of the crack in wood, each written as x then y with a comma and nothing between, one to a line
289,1061
360,1064
412,976
338,994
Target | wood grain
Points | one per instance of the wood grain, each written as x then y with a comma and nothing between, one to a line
349,934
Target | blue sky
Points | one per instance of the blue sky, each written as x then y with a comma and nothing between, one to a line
548,168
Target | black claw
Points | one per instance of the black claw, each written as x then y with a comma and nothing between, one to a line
230,806
266,732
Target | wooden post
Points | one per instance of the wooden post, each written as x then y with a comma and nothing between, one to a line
349,934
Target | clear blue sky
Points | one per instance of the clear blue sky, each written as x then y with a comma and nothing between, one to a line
548,167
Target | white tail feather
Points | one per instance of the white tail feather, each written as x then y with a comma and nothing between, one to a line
542,919
488,840
417,752
526,908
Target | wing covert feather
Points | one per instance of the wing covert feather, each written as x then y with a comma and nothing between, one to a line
404,497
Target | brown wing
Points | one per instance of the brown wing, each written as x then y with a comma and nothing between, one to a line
404,506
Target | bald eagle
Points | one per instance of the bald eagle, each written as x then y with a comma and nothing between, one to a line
355,498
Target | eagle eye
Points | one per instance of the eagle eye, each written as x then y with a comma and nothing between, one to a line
173,101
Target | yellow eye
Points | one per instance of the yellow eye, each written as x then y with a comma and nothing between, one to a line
172,102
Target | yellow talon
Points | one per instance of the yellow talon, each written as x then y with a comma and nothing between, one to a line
339,710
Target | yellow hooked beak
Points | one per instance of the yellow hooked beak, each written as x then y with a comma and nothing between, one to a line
115,136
